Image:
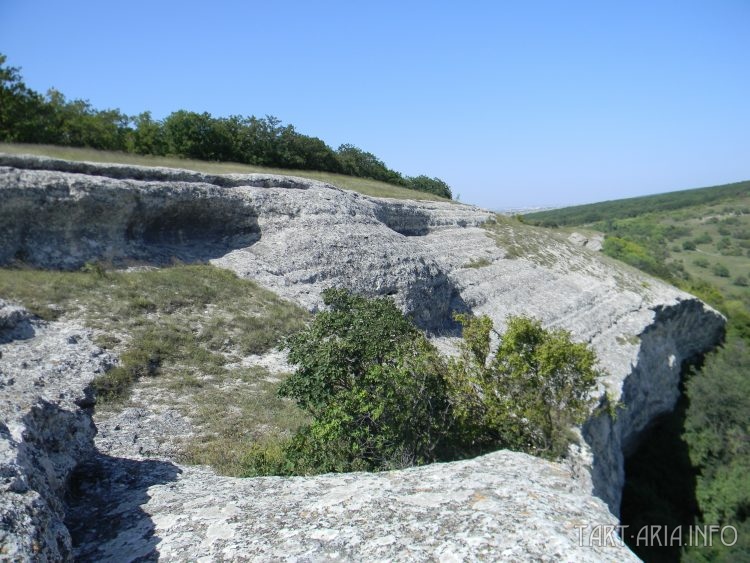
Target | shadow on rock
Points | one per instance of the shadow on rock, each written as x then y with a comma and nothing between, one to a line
54,228
441,302
12,328
104,514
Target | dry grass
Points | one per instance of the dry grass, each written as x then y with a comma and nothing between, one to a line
237,415
192,318
477,263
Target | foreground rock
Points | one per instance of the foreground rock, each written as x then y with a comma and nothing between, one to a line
63,499
505,505
44,432
298,237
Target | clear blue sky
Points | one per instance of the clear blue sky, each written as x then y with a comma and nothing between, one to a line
513,103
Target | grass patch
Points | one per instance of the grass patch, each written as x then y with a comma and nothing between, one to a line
238,416
365,186
631,339
180,329
188,320
478,263
519,240
511,236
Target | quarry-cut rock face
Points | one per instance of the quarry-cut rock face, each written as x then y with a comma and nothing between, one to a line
298,237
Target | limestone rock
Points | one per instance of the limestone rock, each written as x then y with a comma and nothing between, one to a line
44,433
592,242
503,506
298,237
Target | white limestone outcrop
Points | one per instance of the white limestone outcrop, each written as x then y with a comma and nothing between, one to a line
298,237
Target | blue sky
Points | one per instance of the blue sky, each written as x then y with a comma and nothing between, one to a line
513,103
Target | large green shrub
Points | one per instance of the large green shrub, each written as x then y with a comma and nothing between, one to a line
373,384
718,435
380,396
529,394
637,255
720,270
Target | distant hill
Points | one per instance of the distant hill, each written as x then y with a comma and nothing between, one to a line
635,206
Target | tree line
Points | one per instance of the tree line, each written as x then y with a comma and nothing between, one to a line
26,116
609,211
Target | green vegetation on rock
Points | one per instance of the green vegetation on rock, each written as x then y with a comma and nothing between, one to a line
478,263
181,331
528,394
380,396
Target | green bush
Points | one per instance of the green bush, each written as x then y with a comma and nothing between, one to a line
432,185
636,255
689,245
721,270
718,433
724,243
529,395
740,281
373,384
733,251
701,262
380,396
704,238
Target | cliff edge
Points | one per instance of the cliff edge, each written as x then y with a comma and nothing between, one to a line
298,237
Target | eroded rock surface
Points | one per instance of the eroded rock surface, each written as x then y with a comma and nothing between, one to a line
502,506
298,237
45,370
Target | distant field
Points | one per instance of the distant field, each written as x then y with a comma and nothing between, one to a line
713,243
635,206
362,185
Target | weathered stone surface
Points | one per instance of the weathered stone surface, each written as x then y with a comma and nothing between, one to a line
298,237
642,330
591,242
295,236
503,506
44,433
